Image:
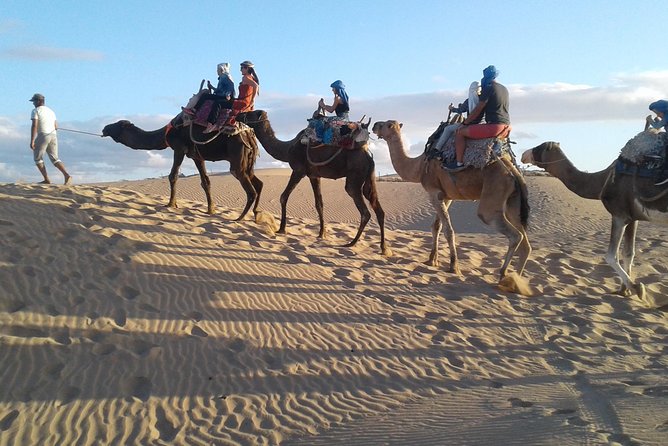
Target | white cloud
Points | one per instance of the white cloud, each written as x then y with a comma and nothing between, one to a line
40,52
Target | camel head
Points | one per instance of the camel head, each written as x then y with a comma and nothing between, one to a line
544,154
116,129
386,129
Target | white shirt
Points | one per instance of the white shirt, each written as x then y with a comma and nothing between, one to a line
46,119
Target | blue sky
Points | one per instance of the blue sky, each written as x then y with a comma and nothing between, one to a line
581,73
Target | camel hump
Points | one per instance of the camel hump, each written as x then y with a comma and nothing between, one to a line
646,144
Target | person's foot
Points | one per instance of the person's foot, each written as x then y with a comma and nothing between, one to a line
188,111
68,180
454,166
44,182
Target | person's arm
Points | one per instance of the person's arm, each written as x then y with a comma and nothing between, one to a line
476,112
331,108
461,108
33,133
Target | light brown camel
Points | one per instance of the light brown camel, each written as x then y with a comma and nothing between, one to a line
499,187
240,150
627,198
325,161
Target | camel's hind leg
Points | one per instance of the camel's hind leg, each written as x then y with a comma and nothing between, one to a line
371,193
619,229
247,185
491,210
257,185
523,250
442,221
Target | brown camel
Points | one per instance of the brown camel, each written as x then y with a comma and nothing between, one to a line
499,187
626,197
240,150
326,161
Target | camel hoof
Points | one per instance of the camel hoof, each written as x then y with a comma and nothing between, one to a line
455,270
624,291
432,262
640,290
386,252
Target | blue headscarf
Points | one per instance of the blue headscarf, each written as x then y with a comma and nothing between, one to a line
660,105
340,90
488,75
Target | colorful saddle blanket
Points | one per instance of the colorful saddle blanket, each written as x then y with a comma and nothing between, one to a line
643,155
336,132
202,114
478,154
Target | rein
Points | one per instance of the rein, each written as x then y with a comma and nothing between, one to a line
78,131
321,163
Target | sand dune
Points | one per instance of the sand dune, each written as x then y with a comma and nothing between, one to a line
125,322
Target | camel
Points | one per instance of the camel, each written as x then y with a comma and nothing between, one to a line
325,161
626,197
240,150
499,187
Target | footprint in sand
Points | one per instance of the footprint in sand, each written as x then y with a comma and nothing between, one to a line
8,419
516,402
12,305
577,421
399,318
195,315
454,360
129,293
103,349
563,412
138,387
53,371
62,337
120,317
166,429
196,331
141,348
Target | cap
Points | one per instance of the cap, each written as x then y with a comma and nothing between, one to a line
37,97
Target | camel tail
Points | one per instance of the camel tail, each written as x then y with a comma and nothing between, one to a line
523,192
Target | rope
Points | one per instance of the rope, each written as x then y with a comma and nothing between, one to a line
322,163
78,131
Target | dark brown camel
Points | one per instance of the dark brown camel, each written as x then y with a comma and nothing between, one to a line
627,198
356,165
240,150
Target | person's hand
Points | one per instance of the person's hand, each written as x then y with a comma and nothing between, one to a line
208,84
450,107
32,145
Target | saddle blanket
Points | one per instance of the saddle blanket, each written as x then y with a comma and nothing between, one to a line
203,112
334,131
478,154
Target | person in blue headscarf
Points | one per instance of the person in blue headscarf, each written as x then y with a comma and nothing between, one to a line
340,106
493,105
660,107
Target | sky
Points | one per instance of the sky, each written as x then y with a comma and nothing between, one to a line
579,72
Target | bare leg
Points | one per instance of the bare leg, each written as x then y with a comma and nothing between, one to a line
42,170
60,166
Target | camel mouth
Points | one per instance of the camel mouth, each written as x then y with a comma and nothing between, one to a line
527,157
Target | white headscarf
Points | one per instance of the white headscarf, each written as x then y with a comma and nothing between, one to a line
474,98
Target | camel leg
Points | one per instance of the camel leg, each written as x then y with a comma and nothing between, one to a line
247,185
206,184
257,185
371,193
611,257
443,221
319,206
524,248
491,212
295,178
355,192
173,176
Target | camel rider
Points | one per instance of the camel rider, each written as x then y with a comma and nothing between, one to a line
341,105
465,107
660,107
494,104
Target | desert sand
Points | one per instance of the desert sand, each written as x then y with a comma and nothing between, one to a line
126,322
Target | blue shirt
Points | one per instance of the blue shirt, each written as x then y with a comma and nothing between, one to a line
225,87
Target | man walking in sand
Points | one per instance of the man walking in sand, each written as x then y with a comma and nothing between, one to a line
44,139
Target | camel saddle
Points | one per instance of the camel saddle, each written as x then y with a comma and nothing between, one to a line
334,131
479,152
644,155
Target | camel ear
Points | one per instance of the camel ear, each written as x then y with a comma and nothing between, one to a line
401,124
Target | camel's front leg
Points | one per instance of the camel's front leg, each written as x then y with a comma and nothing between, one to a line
295,178
319,206
443,221
371,193
354,189
173,176
206,184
